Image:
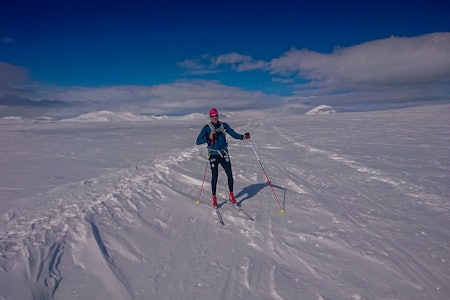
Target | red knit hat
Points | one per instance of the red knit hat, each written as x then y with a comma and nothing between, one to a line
213,111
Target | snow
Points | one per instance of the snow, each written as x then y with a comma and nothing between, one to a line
108,116
321,110
106,210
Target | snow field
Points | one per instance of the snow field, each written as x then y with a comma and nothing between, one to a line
365,196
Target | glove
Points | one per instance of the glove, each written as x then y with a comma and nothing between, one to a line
246,136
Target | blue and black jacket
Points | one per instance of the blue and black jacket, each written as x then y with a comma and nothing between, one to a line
218,145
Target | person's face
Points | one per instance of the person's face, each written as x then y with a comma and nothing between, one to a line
214,118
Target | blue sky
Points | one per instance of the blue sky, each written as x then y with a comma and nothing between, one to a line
174,56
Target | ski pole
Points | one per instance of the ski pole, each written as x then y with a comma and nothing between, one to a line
156,144
267,177
203,181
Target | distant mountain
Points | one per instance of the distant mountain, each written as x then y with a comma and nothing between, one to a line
321,110
107,116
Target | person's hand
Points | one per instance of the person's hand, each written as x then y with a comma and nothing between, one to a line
246,136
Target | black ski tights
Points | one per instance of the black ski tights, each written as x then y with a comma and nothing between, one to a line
214,161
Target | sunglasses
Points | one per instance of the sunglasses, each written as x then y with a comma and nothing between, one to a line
214,116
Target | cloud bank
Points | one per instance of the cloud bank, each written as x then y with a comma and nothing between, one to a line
179,97
18,91
388,62
395,71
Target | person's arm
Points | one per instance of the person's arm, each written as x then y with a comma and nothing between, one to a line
234,134
202,137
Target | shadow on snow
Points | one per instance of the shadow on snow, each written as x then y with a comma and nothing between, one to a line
253,189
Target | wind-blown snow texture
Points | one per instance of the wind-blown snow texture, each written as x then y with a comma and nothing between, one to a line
89,212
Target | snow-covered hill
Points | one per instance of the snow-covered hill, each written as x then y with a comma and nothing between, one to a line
108,116
94,211
321,110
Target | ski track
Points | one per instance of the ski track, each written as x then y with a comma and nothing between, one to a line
404,262
333,225
412,268
115,201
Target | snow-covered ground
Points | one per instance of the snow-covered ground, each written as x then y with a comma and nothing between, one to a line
106,210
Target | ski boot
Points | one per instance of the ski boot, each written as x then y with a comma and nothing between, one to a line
232,199
214,201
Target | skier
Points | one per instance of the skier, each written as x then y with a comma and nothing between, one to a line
213,134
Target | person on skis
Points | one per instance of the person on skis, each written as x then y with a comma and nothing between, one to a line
213,134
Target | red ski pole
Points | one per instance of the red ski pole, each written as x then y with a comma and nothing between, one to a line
267,177
203,181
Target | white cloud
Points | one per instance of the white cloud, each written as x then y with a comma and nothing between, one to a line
283,80
393,69
8,40
389,65
178,97
209,64
390,62
13,79
230,59
197,67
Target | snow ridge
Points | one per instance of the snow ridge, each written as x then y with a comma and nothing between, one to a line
108,116
321,110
